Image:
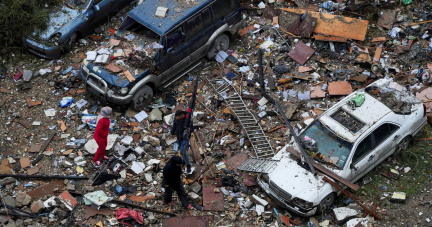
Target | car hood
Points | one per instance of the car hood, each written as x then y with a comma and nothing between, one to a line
58,19
113,79
296,180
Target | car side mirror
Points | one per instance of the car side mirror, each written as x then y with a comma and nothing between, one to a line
352,166
96,8
170,50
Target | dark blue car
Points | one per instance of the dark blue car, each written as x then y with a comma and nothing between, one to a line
189,31
69,22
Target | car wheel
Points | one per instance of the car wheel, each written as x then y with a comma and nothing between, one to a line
142,98
403,145
220,43
70,41
326,203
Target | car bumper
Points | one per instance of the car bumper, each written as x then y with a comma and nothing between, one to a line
42,50
280,202
102,91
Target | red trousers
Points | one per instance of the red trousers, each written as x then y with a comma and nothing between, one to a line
101,149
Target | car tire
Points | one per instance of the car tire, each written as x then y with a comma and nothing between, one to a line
403,145
142,98
326,203
220,43
70,42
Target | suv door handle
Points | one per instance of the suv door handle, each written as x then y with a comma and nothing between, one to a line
396,137
371,157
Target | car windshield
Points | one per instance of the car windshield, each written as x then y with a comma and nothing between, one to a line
78,5
329,147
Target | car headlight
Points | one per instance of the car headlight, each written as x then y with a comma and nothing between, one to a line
55,38
124,90
85,68
302,203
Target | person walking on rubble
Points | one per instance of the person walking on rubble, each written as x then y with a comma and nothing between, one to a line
101,134
172,182
178,129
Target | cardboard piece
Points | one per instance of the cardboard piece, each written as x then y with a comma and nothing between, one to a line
129,76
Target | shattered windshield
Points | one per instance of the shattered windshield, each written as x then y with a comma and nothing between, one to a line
325,145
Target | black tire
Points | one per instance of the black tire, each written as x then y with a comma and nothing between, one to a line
220,43
326,203
403,145
142,98
70,42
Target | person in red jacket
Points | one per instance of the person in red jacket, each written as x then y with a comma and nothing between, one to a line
101,134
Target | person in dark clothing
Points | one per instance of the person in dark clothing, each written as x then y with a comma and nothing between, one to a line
172,182
178,130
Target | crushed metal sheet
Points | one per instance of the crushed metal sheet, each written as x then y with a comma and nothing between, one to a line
212,200
189,221
89,211
52,188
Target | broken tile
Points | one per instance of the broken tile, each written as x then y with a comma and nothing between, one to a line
24,162
301,53
339,88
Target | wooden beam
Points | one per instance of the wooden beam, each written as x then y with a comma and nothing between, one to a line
349,195
326,171
335,25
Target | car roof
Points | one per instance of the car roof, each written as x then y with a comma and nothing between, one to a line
358,119
178,11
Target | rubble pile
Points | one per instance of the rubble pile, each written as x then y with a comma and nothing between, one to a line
310,61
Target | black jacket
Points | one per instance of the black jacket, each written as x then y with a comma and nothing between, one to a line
178,129
172,173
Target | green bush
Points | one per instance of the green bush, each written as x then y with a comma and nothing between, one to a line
19,18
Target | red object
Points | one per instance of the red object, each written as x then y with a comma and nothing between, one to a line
68,200
17,76
126,213
101,137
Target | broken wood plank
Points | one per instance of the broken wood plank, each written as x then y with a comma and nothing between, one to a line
141,198
274,129
326,171
329,38
377,54
334,25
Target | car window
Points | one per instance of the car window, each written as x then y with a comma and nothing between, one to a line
207,19
222,7
383,132
363,148
194,25
176,38
319,139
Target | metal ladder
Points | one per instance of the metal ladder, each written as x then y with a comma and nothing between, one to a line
254,132
259,165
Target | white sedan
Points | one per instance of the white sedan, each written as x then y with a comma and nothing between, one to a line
353,139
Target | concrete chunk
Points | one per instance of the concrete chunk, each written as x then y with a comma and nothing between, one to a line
343,213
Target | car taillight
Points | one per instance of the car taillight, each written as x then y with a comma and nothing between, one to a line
424,110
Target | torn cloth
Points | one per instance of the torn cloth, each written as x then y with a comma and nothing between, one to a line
129,216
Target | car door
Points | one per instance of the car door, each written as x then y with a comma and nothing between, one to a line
199,31
97,18
363,158
385,140
175,55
